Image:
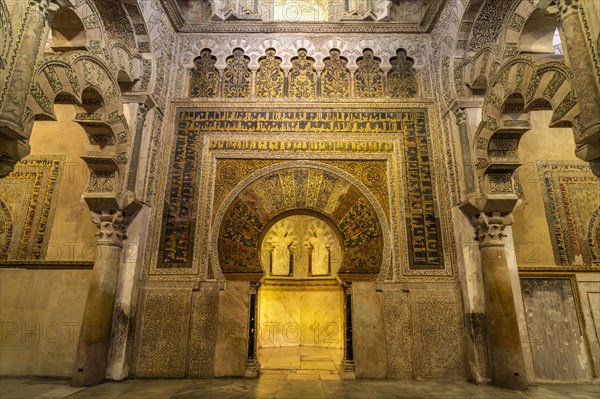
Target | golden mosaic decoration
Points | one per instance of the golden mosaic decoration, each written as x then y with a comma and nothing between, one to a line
335,78
302,77
401,78
237,76
204,81
270,76
368,77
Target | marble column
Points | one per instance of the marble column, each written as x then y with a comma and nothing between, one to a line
14,136
465,148
94,338
220,86
386,89
579,56
252,364
347,370
505,353
253,83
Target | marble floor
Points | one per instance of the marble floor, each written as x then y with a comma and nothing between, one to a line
300,362
26,388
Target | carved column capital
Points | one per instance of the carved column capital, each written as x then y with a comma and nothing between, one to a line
489,228
461,116
347,287
142,112
254,287
112,227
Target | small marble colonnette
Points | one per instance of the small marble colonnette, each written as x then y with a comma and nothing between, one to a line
11,388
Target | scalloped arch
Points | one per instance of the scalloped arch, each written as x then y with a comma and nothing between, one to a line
73,74
499,133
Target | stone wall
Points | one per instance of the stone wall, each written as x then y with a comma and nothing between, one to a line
544,213
46,214
40,331
554,237
49,245
424,330
408,330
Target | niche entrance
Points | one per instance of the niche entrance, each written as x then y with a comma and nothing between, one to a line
300,301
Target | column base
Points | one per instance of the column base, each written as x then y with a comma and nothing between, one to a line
347,371
252,368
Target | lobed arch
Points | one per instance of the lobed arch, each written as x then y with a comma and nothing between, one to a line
489,23
67,31
254,53
306,44
126,62
116,23
517,20
520,86
476,72
473,67
129,67
140,28
246,194
350,51
87,16
467,17
84,80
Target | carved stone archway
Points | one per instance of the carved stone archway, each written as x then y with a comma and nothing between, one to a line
261,198
520,85
70,78
85,80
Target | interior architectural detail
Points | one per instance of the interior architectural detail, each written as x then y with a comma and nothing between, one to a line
300,190
205,77
302,77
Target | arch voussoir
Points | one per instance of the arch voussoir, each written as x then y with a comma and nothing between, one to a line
505,119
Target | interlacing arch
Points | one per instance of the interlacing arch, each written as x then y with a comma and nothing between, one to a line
476,72
84,80
351,51
520,86
209,66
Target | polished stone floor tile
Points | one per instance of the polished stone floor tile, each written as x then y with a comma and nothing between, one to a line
299,389
300,362
270,388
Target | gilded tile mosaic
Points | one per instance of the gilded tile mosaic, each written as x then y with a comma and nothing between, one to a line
28,199
572,203
422,222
